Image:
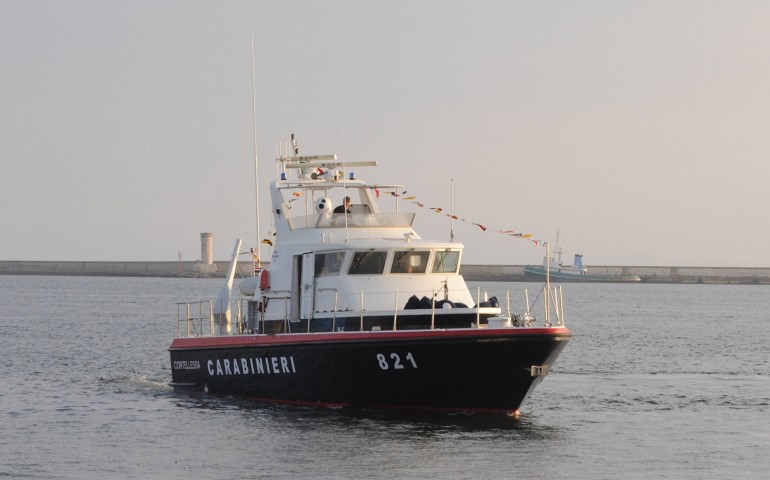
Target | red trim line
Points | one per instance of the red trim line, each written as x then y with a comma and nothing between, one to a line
366,336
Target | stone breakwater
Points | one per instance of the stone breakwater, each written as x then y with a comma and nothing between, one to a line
503,273
120,269
714,275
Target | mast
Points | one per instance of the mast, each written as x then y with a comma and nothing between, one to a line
254,122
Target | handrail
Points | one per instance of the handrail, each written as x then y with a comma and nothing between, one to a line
354,220
248,321
478,302
362,310
395,311
190,320
433,311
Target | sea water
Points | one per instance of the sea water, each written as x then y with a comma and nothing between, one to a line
659,381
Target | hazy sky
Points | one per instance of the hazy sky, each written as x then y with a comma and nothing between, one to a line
640,130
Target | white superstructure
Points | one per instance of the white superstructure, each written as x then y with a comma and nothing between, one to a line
362,259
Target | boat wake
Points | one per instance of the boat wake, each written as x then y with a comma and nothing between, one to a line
136,384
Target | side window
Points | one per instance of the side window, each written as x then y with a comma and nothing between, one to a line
367,263
409,261
328,263
446,261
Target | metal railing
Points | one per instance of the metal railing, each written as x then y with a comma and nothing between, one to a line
196,316
351,220
250,316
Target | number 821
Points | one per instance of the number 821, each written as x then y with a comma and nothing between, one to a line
395,361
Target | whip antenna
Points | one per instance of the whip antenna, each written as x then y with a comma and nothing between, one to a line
452,216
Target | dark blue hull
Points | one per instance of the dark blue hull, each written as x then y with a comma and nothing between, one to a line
483,370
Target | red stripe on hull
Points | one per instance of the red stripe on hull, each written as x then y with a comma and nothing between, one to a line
352,337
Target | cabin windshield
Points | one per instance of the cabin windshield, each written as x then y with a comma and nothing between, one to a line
410,261
446,261
327,264
380,261
368,262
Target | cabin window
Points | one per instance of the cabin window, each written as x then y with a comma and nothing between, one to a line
409,261
367,263
446,261
328,263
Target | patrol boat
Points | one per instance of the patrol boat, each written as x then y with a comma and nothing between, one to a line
357,310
